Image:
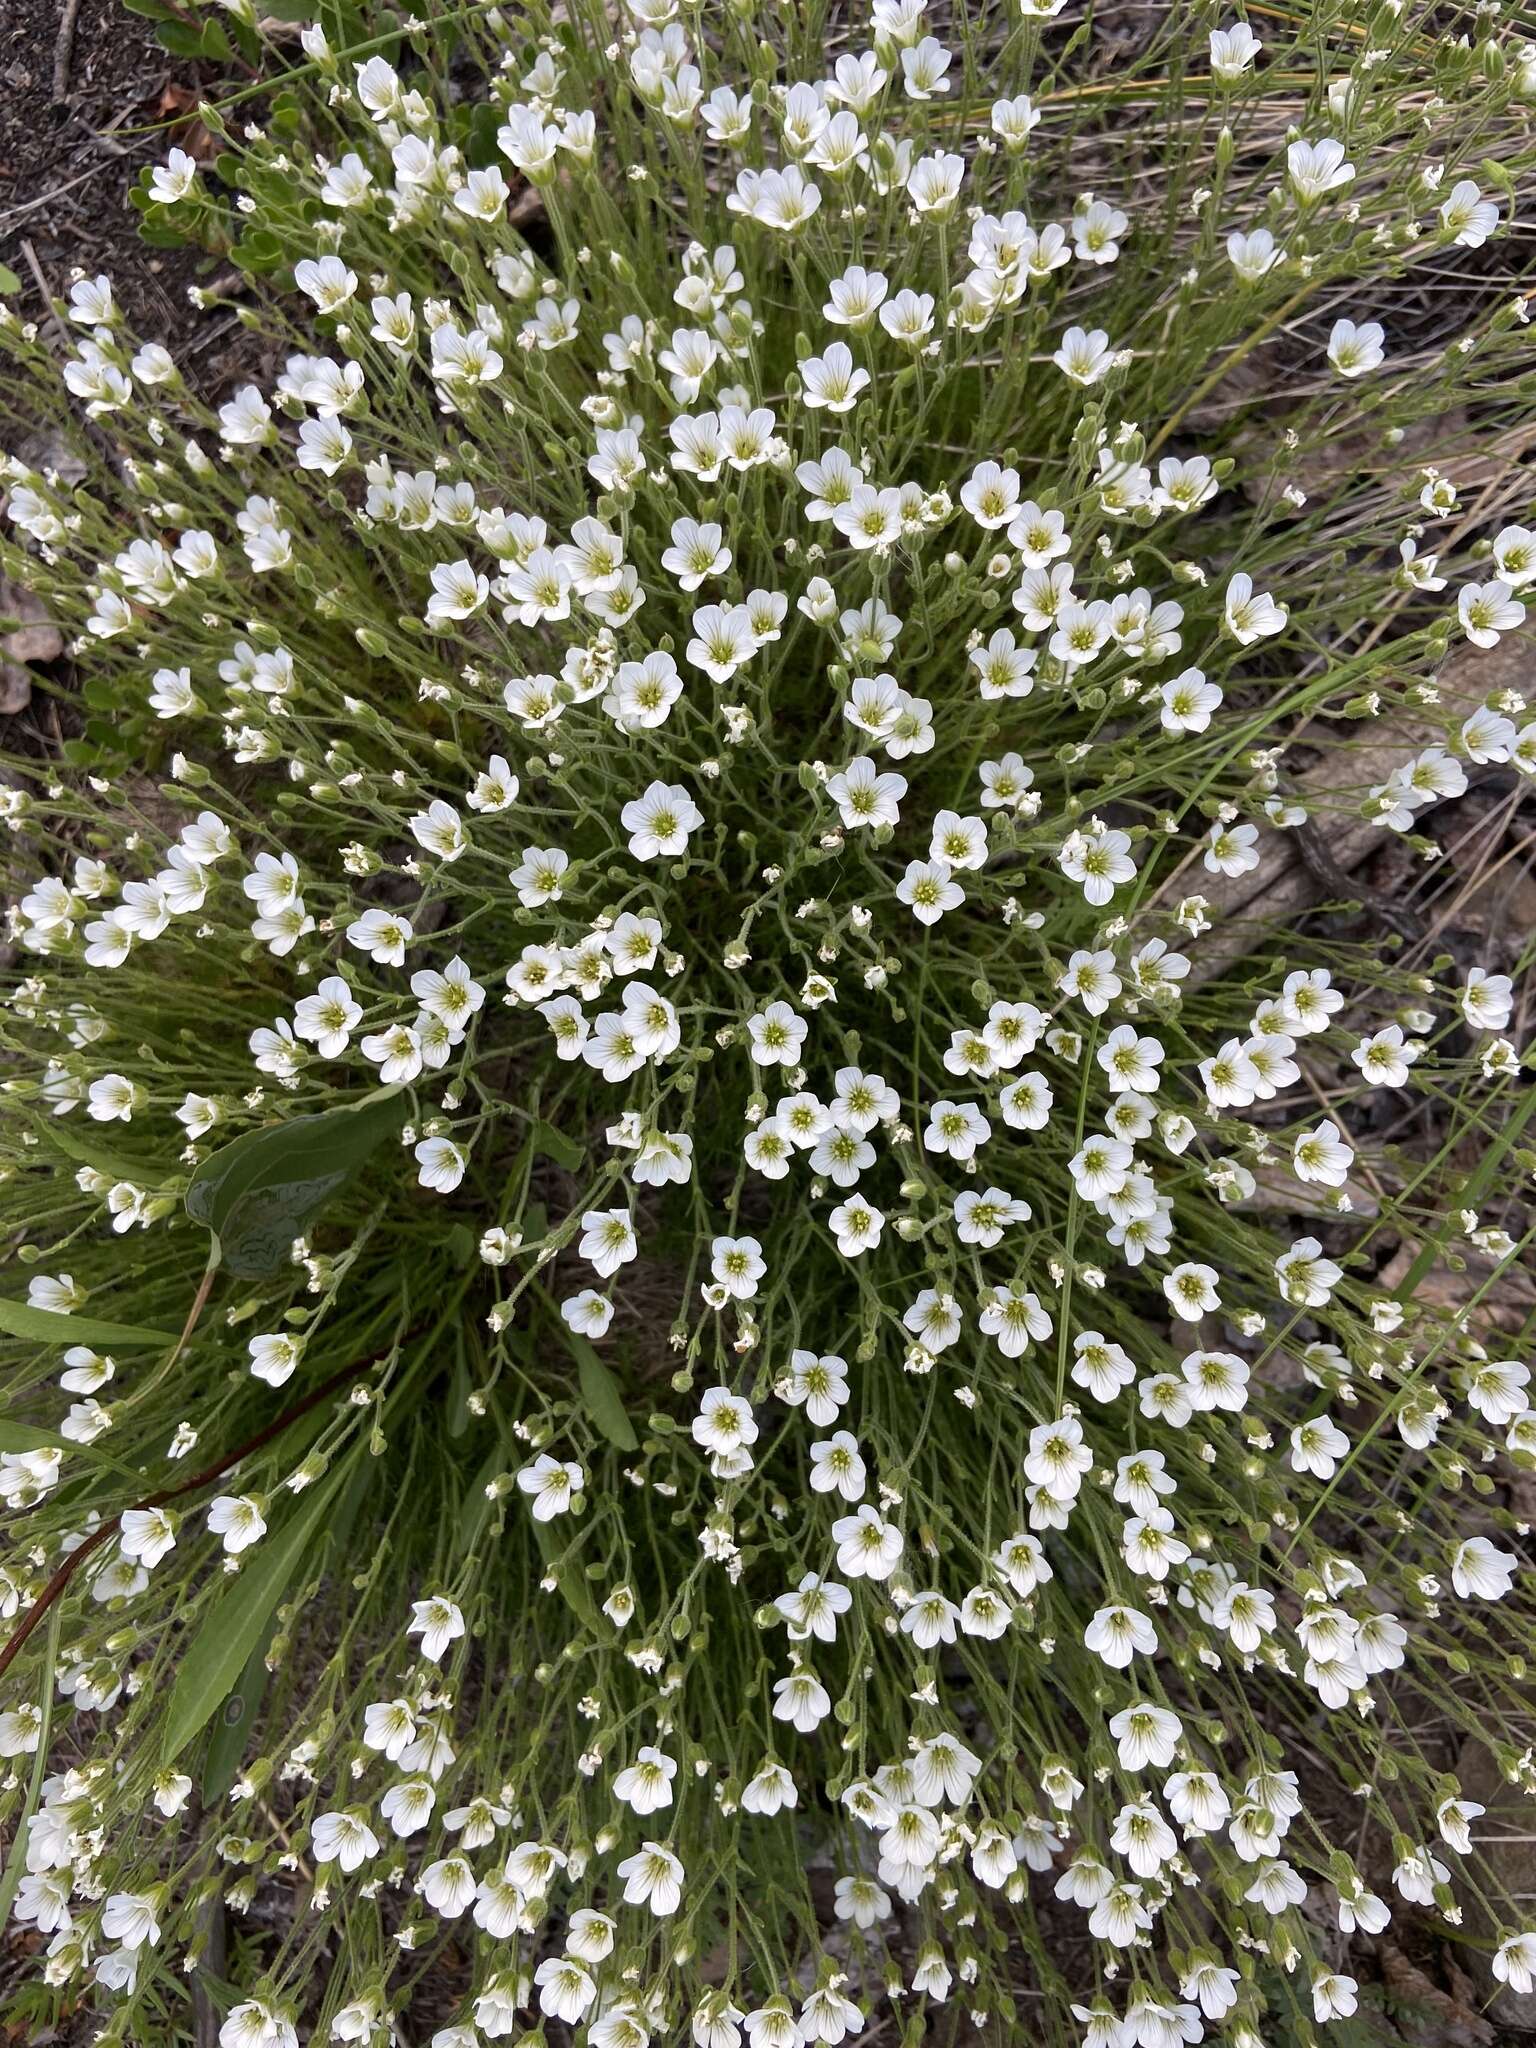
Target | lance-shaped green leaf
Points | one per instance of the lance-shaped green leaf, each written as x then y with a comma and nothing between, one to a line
19,1437
47,1326
572,1584
557,1146
140,1173
232,1624
23,1436
600,1394
262,1190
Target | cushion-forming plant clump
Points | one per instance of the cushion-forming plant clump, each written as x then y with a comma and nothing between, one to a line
694,1352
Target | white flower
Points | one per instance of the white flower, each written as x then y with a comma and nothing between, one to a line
991,495
776,1036
855,297
113,1098
929,889
1253,255
1486,610
836,1466
659,821
1487,1000
1098,859
1233,51
866,795
441,1164
1467,215
1145,1734
256,2024
1014,1317
1480,1571
174,179
724,1425
1252,615
736,1265
958,842
696,552
1321,1155
327,281
1317,1446
653,1877
439,830
396,1052
566,1990
147,1534
1014,121
438,1622
1333,1997
1084,356
956,1129
1514,556
588,1313
328,1017
645,1786
981,1218
868,1547
1514,1961
833,381
238,1519
607,1240
929,1620
344,1838
1317,167
383,935
275,1358
1354,350
1191,1290
933,184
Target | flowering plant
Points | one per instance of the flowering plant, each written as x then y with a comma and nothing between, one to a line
712,1345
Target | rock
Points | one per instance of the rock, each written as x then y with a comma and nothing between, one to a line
1424,2013
36,638
49,451
1283,886
15,689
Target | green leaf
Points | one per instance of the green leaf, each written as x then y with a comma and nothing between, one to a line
46,1326
232,1625
180,38
474,1509
21,1436
89,1153
25,1436
15,1863
155,235
574,1589
231,1731
9,281
557,1146
460,1389
230,1735
480,145
258,252
260,1192
600,1394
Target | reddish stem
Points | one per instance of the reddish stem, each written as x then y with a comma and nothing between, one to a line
92,1543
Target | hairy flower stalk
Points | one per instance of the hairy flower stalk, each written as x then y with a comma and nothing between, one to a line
810,1383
